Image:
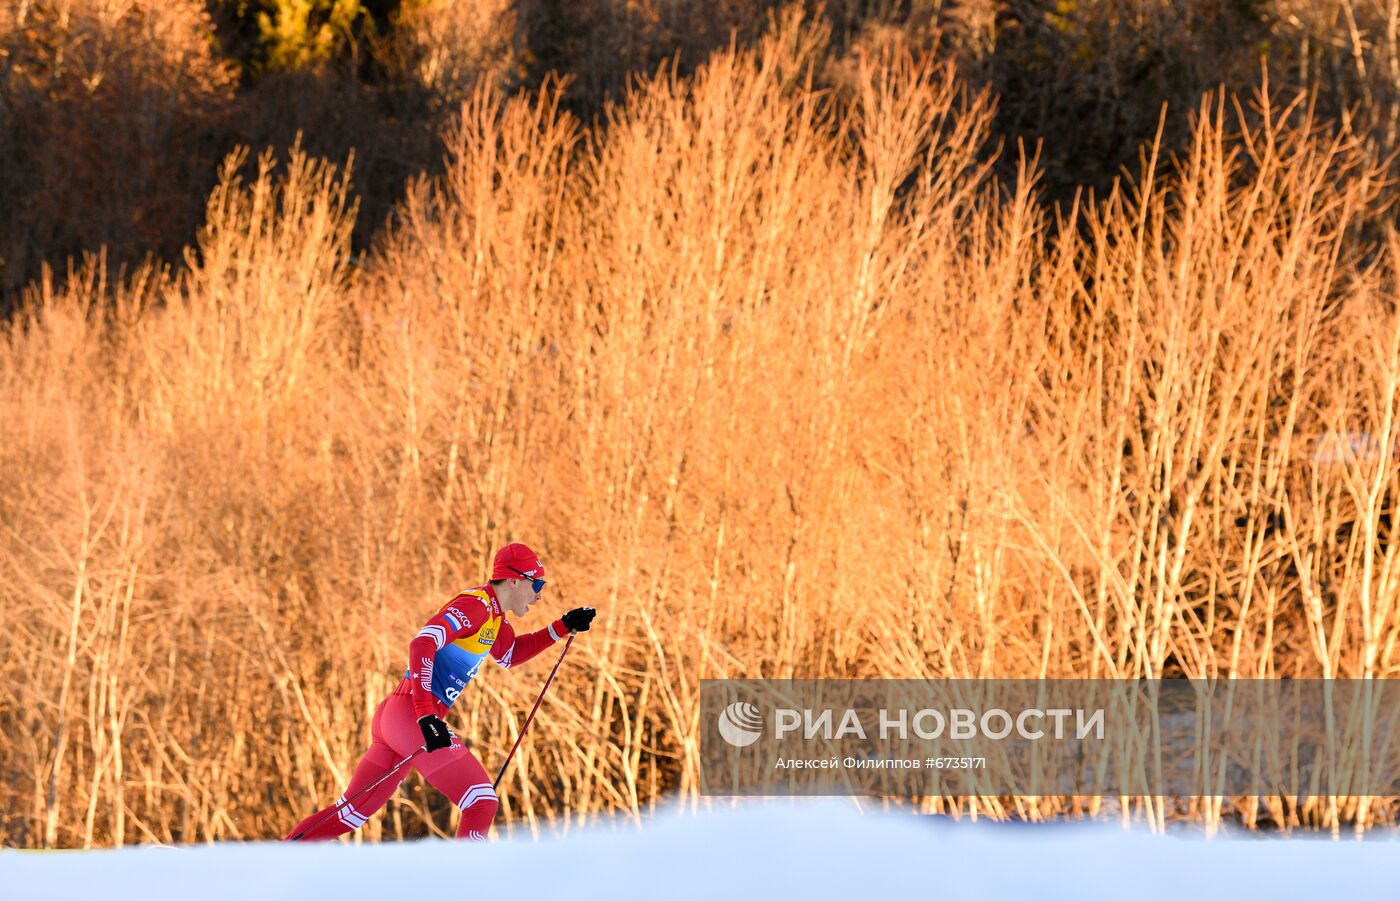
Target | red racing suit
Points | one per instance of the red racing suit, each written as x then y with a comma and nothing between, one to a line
451,647
443,657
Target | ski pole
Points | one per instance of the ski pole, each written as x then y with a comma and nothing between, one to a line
532,710
355,797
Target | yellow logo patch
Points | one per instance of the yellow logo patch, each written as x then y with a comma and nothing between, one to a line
485,637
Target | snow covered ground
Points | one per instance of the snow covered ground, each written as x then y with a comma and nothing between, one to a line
822,849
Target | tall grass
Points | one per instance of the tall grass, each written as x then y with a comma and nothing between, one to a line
780,379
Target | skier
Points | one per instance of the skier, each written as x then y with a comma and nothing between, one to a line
443,657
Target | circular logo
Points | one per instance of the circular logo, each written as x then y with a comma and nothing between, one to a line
740,724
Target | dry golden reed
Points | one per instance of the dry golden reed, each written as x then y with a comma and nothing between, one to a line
782,381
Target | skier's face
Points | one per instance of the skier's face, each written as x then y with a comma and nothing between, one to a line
520,596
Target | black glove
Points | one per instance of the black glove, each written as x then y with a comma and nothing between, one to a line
579,619
435,734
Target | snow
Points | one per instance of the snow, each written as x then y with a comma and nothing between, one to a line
818,849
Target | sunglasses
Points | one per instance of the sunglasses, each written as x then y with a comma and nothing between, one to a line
536,584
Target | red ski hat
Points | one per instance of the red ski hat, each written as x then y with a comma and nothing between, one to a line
516,561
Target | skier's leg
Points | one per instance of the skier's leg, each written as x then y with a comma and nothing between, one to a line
457,773
453,770
378,760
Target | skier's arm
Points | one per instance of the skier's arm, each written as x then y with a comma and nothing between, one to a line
511,649
462,616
